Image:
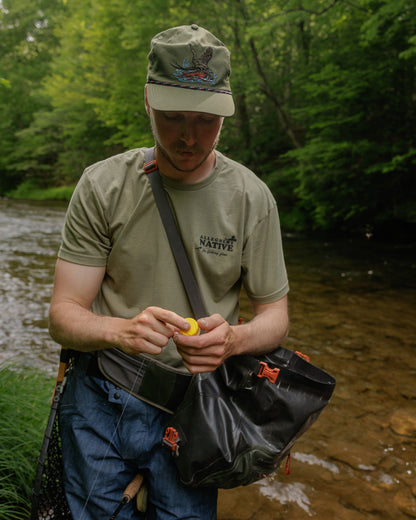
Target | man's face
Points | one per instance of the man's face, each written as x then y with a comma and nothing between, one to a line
185,141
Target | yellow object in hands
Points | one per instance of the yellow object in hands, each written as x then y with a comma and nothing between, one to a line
194,329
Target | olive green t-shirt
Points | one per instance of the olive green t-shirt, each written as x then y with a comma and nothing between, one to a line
229,223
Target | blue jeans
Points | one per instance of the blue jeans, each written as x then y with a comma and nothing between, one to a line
108,436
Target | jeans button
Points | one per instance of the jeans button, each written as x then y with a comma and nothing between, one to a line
116,395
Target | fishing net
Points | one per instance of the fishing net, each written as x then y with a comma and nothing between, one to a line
51,501
48,498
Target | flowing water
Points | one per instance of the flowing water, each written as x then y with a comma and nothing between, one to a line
352,307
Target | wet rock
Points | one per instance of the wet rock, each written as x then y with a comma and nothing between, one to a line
407,387
385,481
334,510
406,502
403,421
238,503
355,455
361,498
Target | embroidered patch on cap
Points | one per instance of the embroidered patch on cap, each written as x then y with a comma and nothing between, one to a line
197,70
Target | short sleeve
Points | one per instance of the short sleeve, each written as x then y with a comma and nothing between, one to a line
85,235
264,271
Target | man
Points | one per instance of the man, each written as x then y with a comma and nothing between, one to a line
118,296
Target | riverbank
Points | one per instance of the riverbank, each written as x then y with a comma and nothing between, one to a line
396,231
31,192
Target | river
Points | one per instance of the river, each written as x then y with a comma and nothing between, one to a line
352,308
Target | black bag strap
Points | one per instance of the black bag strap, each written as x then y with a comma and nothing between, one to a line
174,237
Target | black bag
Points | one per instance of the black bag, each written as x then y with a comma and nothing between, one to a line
237,424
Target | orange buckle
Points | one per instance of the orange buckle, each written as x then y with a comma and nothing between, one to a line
150,166
304,356
170,440
270,373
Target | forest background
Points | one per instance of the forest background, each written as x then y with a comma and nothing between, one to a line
325,93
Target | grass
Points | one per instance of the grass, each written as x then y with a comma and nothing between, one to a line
24,408
29,190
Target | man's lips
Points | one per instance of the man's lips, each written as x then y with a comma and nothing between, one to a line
187,153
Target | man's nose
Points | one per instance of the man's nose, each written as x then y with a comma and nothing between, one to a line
188,133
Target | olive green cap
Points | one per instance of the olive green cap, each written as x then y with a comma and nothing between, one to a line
189,71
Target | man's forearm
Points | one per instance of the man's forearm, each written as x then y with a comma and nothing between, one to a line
80,329
268,329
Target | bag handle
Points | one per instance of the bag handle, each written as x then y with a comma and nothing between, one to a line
173,234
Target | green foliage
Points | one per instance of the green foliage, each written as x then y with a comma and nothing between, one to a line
30,190
357,162
24,406
324,92
26,49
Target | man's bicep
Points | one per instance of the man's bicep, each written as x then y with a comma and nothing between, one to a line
75,283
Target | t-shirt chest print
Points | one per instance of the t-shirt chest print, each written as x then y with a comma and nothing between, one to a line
219,246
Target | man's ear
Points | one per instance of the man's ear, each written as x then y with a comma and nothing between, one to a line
145,101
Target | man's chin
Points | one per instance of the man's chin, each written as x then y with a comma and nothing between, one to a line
186,163
187,166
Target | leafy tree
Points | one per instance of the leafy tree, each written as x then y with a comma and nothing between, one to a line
26,45
356,104
67,133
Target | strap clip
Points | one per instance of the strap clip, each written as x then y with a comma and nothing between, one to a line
170,440
150,166
269,373
304,356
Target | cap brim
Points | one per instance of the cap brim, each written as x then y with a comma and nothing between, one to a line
177,99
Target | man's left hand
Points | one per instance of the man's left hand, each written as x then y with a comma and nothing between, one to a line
206,352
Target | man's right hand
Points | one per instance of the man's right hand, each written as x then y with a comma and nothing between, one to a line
72,324
149,331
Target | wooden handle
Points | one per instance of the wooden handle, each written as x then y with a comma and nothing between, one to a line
132,489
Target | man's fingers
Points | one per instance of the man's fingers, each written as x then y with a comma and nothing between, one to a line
169,318
161,321
201,359
208,351
149,331
211,322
